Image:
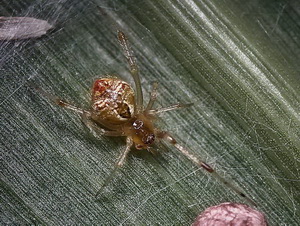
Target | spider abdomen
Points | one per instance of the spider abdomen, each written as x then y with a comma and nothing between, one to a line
112,101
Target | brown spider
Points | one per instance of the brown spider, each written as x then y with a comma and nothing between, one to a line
118,111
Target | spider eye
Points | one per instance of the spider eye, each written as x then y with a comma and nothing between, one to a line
149,138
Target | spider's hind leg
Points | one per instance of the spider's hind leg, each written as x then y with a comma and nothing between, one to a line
58,101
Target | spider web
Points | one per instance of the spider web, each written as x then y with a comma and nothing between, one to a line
244,122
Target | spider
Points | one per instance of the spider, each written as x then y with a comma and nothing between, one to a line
118,110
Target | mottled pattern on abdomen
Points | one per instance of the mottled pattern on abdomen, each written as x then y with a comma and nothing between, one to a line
112,100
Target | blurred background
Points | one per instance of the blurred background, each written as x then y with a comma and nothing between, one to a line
237,61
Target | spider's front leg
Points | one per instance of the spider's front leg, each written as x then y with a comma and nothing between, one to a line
167,137
120,162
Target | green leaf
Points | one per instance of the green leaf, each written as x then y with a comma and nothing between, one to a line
237,61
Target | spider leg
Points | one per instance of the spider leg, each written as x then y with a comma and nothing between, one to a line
96,130
153,96
133,69
85,115
167,137
170,108
120,162
60,102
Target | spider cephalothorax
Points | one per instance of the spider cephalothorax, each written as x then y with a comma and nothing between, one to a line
142,132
